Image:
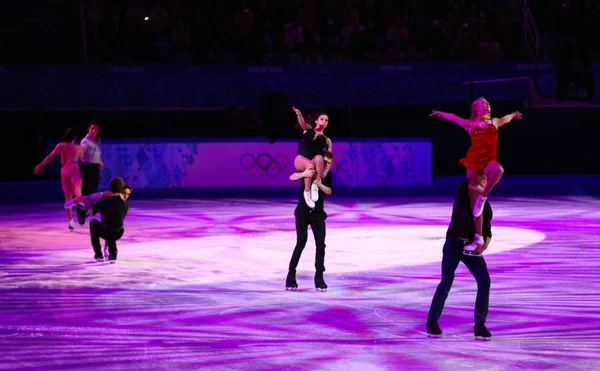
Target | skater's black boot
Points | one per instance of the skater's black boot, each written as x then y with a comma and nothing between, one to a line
320,284
434,330
481,332
290,281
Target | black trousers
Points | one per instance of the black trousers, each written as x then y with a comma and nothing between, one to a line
90,174
316,220
453,254
99,230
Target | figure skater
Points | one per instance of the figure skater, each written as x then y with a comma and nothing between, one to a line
91,163
113,210
70,175
457,236
481,158
315,217
86,203
310,151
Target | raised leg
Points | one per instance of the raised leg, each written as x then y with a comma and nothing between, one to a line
475,189
302,163
493,171
319,165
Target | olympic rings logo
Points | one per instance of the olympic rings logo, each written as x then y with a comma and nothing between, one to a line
264,164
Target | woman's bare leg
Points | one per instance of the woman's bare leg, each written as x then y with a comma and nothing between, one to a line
69,210
77,184
319,165
474,191
473,194
493,171
301,163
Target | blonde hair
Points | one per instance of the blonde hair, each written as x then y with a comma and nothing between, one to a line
474,115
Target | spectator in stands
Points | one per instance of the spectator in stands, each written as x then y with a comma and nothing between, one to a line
310,31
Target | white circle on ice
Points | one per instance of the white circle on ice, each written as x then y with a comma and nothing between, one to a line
243,257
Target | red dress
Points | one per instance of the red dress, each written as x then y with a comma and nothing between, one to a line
484,146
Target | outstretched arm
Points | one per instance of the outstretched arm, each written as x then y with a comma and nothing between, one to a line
301,121
465,124
48,158
508,118
485,245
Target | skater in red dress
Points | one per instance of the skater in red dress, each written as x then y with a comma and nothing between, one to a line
481,158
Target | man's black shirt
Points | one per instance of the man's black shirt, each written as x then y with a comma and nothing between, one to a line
319,204
112,211
462,224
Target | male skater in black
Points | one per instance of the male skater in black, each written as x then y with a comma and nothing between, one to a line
458,235
306,216
113,210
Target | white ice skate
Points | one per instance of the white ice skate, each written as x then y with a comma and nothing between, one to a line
314,192
106,254
307,198
479,204
470,249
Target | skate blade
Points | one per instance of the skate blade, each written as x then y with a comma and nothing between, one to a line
320,289
469,253
291,288
434,336
483,338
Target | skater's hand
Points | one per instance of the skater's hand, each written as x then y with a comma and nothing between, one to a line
308,173
101,165
297,111
37,169
517,115
435,113
317,181
481,248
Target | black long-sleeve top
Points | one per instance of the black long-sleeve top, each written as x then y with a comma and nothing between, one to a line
461,223
320,203
113,210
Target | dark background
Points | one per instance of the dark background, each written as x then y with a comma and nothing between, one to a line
558,140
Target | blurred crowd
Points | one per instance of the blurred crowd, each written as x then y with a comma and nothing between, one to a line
567,24
301,31
566,29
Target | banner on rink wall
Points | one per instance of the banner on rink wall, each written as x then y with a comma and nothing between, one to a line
247,163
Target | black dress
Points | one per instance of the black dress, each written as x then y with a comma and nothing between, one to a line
310,146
